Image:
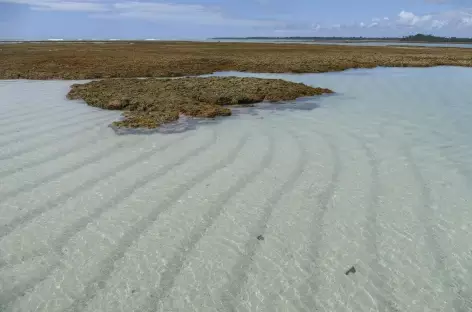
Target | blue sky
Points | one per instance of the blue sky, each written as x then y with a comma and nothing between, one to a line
180,19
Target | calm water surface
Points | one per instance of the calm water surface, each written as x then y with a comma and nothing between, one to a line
263,211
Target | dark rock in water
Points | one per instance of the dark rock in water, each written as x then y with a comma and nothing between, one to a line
260,237
351,270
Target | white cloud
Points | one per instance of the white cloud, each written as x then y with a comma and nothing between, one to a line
467,21
316,27
410,19
57,5
135,6
188,13
161,11
192,13
147,10
437,24
448,21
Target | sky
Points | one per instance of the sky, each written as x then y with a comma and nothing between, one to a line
199,19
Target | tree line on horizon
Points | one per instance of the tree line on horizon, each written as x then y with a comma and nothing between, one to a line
431,38
412,38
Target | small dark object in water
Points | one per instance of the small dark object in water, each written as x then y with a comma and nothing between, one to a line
260,237
351,270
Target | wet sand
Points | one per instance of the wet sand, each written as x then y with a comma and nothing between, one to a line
377,177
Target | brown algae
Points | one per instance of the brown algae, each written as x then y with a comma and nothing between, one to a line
149,103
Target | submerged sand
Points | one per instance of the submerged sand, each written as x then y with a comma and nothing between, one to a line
377,177
149,103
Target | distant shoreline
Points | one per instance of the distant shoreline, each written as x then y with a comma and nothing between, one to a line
395,41
345,40
418,38
241,40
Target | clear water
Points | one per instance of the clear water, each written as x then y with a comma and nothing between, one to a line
263,211
360,43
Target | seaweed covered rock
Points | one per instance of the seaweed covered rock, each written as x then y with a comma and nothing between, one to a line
149,103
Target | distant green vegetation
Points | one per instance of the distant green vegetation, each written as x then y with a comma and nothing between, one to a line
431,38
413,38
307,38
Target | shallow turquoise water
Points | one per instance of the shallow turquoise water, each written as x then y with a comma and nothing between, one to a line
263,211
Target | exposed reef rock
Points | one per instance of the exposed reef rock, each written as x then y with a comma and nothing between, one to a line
149,103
